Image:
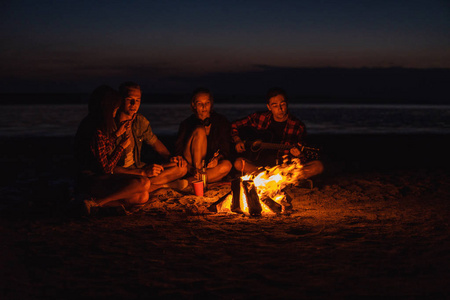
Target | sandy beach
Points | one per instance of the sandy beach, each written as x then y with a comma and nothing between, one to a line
374,225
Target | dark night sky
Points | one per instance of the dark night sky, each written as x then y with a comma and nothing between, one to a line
169,46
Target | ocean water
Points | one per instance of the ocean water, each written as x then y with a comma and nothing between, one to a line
62,120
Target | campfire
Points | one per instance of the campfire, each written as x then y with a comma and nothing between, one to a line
262,193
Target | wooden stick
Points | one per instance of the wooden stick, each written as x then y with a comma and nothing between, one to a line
286,206
213,206
274,206
254,207
236,190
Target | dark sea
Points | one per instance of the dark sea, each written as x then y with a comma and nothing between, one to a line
60,120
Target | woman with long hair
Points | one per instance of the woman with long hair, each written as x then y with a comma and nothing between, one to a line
98,148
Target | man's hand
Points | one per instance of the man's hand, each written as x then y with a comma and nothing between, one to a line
153,170
179,160
124,126
295,152
240,147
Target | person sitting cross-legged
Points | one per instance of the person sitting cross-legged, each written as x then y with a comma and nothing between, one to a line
168,174
282,127
99,145
205,137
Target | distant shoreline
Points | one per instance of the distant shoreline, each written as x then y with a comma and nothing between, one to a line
394,85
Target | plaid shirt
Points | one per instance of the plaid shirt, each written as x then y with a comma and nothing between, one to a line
293,133
105,151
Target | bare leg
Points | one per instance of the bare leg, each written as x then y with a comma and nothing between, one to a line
139,198
169,175
219,171
312,168
120,187
195,150
136,199
246,167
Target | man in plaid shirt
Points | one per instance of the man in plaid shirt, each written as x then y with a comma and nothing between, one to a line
282,127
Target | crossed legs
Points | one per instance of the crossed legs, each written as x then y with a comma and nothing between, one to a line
244,166
117,189
195,152
167,176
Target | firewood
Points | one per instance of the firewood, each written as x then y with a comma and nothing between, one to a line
274,206
286,206
236,201
213,206
254,207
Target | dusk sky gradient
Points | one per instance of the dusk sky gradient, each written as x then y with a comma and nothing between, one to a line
54,46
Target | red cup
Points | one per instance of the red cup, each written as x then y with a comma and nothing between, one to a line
198,188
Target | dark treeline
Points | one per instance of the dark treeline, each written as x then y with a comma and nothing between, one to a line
304,85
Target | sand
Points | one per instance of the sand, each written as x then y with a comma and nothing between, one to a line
375,224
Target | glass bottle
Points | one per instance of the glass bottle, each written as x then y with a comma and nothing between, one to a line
203,174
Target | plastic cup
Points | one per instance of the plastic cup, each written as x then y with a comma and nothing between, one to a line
198,188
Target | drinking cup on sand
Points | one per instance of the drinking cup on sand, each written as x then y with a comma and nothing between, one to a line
198,188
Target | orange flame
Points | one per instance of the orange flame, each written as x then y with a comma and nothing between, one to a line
272,181
269,183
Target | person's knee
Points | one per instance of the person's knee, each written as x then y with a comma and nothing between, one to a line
139,198
181,171
144,183
238,164
317,167
147,184
225,167
199,132
143,198
320,167
313,168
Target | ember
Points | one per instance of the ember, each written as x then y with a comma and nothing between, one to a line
261,194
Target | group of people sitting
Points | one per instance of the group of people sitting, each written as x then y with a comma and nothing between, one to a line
109,146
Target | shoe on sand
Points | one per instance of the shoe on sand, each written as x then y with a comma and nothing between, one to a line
89,204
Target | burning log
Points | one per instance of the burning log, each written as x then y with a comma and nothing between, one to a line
254,206
213,206
231,201
286,203
236,190
262,193
270,203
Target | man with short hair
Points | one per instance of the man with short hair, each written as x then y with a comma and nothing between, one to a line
141,132
282,128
